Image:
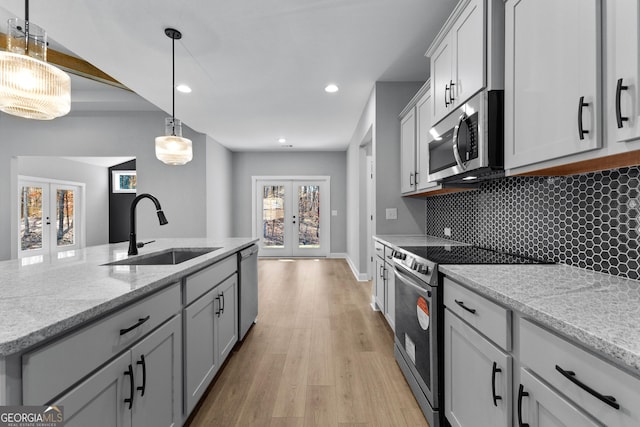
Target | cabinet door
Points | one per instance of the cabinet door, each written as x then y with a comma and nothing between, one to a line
623,21
228,319
99,400
390,296
552,63
469,44
379,283
200,361
476,371
408,152
157,364
441,76
423,124
538,405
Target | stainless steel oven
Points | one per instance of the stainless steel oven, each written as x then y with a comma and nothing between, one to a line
469,143
417,341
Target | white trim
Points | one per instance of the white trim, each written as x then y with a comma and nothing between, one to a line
360,277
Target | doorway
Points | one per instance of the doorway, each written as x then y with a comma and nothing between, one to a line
291,216
50,216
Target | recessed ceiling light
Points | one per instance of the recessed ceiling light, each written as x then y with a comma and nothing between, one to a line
183,88
282,140
331,88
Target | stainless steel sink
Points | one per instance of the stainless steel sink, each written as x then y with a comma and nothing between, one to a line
167,257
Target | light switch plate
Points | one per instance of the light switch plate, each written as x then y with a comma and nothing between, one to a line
334,213
392,213
447,231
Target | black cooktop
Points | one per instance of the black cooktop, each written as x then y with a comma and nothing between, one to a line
469,255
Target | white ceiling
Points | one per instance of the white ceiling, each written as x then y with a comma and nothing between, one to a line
258,68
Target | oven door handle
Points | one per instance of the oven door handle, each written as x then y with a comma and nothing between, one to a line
456,134
403,277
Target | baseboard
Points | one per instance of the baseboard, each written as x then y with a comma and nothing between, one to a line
360,277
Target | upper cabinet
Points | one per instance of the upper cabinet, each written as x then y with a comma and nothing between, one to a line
415,122
467,55
622,74
553,101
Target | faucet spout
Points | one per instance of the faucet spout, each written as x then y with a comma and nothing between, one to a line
133,245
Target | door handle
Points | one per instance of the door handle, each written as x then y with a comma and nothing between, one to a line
411,179
451,98
461,304
446,102
619,117
495,397
131,328
129,373
521,394
143,387
571,376
581,105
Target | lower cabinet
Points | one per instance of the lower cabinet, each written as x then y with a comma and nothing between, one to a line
141,387
390,296
378,281
211,331
477,378
538,405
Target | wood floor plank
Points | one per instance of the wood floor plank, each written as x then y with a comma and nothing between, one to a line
318,355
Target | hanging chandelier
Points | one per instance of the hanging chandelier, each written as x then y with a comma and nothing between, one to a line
29,86
172,148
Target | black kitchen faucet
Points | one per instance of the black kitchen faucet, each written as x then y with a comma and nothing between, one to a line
133,245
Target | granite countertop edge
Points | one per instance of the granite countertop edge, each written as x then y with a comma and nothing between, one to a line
163,277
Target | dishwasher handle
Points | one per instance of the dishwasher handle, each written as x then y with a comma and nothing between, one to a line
248,252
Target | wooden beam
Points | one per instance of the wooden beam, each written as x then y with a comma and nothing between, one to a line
73,65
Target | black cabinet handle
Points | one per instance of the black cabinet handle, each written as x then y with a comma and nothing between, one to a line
493,384
521,394
619,89
581,130
143,387
381,271
416,177
411,179
571,376
129,373
140,322
451,98
223,304
461,304
446,102
219,306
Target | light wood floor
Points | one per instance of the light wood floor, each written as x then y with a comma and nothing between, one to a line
318,356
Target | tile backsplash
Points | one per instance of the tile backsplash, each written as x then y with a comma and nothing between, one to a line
589,221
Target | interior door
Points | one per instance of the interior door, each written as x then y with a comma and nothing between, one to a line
292,217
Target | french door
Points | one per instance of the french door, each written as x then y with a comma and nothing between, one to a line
292,217
48,217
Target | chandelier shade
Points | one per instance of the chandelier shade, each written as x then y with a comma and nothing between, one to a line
29,86
172,149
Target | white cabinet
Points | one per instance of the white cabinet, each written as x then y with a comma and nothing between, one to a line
622,73
211,331
384,283
141,387
477,372
390,293
379,280
553,101
457,58
415,122
408,152
540,406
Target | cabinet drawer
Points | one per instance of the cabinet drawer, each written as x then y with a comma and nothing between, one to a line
491,319
50,370
203,281
379,249
544,352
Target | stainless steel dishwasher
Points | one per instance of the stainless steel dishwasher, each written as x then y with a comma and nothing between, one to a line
248,268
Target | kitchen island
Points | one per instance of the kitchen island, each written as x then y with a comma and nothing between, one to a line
72,297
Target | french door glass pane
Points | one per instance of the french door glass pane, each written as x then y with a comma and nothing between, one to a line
273,216
30,218
309,212
65,218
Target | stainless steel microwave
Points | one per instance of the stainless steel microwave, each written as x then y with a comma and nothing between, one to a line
468,144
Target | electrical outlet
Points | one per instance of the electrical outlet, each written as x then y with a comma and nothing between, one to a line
447,231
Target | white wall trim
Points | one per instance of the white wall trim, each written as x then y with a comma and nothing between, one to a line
360,277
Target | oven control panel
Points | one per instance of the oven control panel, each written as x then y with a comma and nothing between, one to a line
418,266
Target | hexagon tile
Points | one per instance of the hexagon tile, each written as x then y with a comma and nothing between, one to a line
590,221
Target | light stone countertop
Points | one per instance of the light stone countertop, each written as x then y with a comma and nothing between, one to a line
41,297
600,311
415,240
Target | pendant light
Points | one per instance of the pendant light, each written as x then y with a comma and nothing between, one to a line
29,86
172,148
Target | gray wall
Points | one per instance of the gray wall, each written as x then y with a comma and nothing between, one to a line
181,190
248,164
219,190
96,189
